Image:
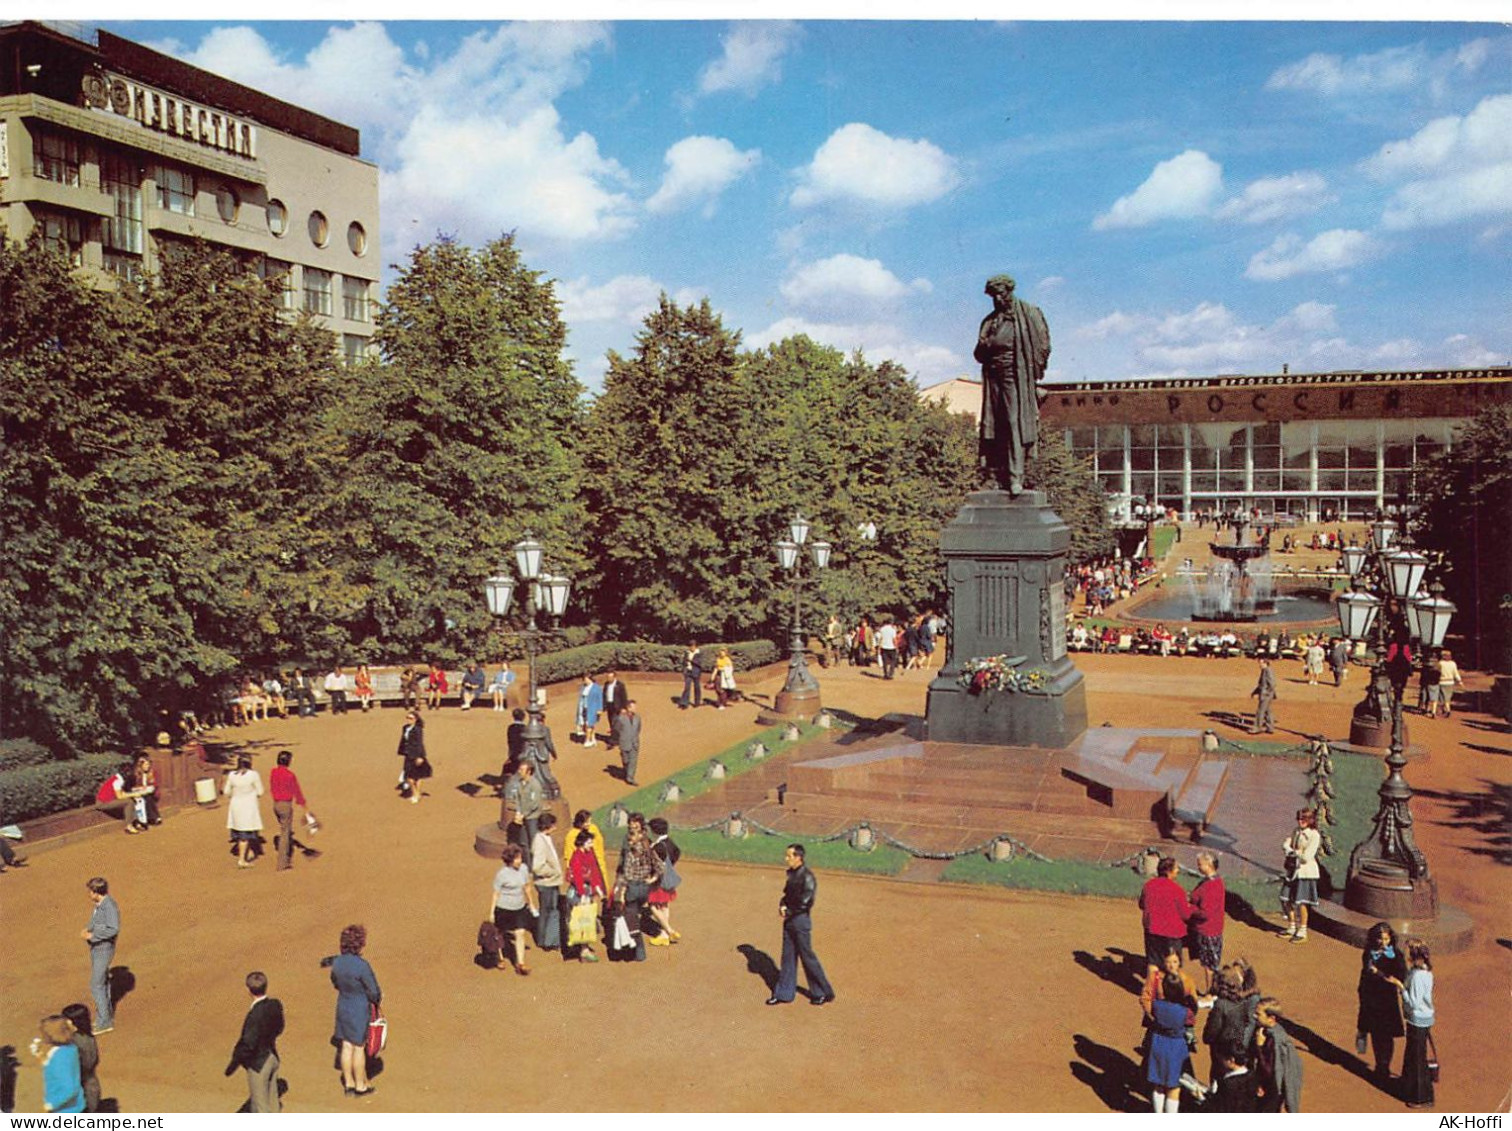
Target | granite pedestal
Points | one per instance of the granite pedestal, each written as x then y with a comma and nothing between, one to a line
1005,568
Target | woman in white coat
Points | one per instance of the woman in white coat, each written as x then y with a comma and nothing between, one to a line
244,817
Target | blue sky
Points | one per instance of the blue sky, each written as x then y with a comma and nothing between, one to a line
1180,198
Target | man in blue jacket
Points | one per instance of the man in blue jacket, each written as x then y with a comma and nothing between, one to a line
100,936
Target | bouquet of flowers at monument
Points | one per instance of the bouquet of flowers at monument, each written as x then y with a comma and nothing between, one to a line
1001,673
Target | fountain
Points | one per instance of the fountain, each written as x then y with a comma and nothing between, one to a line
1237,586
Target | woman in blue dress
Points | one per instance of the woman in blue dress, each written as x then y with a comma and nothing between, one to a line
590,703
356,992
1168,1047
63,1088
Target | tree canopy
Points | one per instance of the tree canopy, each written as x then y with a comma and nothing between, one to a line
197,489
1466,517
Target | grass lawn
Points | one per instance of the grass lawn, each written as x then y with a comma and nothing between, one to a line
1356,780
1165,538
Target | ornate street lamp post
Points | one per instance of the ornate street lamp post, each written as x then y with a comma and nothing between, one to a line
800,692
1388,875
544,592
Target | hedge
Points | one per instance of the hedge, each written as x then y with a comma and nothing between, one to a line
36,791
631,656
18,752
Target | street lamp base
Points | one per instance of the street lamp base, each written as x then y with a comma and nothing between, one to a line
1383,889
490,839
1449,932
802,703
1365,729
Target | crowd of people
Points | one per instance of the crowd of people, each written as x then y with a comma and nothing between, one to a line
1253,1064
891,643
1101,582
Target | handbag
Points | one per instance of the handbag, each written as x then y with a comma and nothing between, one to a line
1433,1060
623,940
582,925
490,938
377,1030
669,878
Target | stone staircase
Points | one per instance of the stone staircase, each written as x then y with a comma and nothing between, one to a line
1164,775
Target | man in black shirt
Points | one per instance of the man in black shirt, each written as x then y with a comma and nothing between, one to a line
797,945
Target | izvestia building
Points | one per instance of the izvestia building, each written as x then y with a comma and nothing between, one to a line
114,151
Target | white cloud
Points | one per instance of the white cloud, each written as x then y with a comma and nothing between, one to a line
1451,144
539,181
1313,317
1114,325
625,299
863,165
847,282
699,169
1335,250
1277,198
1210,338
929,363
752,58
1049,282
1179,189
1329,75
1454,168
468,143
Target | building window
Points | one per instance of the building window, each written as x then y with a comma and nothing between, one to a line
354,348
55,157
62,234
317,291
122,230
284,273
354,299
278,217
175,189
227,204
357,238
124,265
320,229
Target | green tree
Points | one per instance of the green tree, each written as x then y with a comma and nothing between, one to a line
1466,500
448,451
153,438
852,443
663,480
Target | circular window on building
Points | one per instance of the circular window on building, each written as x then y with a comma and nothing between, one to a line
278,217
320,229
227,204
357,238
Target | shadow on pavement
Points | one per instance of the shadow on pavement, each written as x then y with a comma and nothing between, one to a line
1330,1053
1487,749
760,963
1118,967
1488,812
1113,1077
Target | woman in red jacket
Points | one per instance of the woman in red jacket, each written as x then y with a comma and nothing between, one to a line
1166,913
1208,899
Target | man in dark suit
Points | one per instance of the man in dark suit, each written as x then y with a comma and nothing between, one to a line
1265,695
627,732
303,688
616,695
257,1049
693,670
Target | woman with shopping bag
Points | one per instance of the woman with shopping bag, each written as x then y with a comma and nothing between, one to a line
586,889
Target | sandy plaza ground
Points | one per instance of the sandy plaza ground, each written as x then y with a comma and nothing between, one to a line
950,998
